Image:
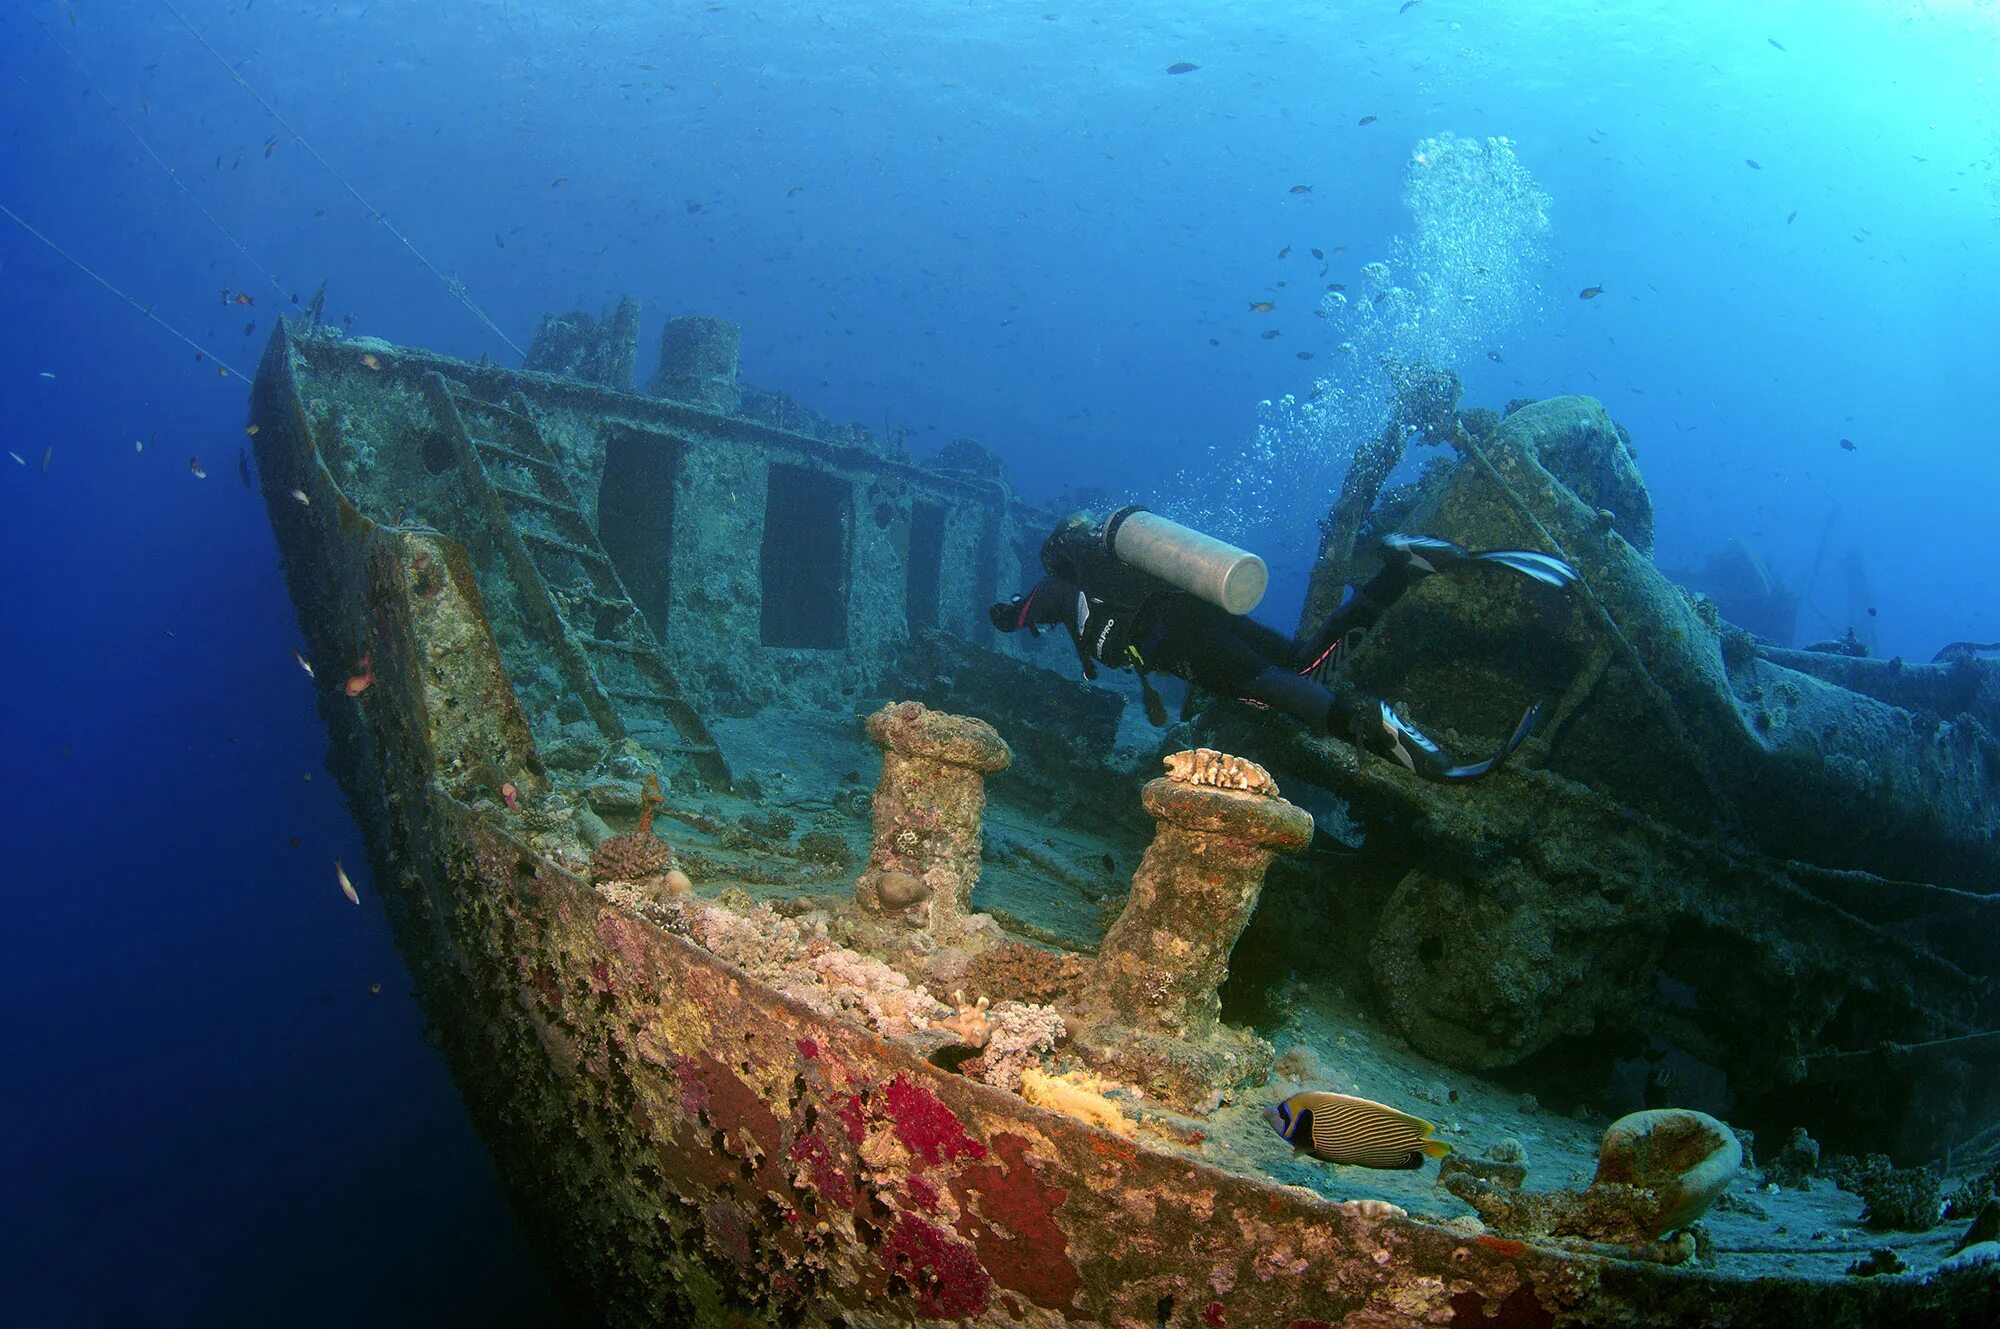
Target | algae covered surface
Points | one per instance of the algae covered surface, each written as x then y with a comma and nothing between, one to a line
921,923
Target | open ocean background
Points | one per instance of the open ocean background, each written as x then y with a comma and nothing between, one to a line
1002,220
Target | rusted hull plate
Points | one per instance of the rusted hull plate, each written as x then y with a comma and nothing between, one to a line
703,1150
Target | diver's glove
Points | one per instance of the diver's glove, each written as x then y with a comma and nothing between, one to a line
1427,553
1006,615
1389,735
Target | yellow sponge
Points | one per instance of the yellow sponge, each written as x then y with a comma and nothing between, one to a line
1077,1094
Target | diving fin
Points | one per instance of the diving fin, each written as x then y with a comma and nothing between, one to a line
1544,568
1427,553
1397,738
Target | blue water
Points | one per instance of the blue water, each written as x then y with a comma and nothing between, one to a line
1001,220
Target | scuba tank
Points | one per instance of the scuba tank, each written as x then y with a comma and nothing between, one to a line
1135,553
1207,568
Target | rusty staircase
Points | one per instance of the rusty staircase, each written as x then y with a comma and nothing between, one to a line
608,655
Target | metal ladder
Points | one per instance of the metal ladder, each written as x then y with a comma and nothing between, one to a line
608,654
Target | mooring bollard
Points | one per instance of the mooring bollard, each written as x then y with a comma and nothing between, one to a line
1150,1012
927,807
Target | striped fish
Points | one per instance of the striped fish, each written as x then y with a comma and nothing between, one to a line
1344,1129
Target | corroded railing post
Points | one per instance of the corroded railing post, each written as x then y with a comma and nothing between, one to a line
1150,1012
927,806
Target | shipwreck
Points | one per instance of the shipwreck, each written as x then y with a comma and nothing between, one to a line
807,954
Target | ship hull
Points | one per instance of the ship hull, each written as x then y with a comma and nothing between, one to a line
686,1145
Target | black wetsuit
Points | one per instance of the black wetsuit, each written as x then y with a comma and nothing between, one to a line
1128,620
1172,632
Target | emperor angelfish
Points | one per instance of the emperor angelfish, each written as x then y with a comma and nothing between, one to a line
1343,1129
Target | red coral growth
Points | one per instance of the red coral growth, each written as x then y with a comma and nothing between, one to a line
1033,1258
808,1049
823,1176
851,1117
944,1275
925,1194
1211,1315
927,1127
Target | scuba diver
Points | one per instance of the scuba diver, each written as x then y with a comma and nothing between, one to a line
1148,594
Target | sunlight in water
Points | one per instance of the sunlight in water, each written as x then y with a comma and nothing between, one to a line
1465,272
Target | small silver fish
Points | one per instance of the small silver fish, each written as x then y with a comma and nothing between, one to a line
1343,1129
300,495
346,886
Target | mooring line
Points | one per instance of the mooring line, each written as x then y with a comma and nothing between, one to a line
172,174
199,350
456,288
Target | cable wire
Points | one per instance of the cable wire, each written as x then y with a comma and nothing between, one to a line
455,287
172,174
200,351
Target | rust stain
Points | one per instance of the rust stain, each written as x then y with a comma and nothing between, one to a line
1032,1257
728,1232
711,1092
1520,1309
1114,1148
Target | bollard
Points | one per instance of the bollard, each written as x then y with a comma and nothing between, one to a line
927,806
1150,1012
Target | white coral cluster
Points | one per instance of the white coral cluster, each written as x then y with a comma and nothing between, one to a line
853,985
796,957
1018,1033
1206,766
801,962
